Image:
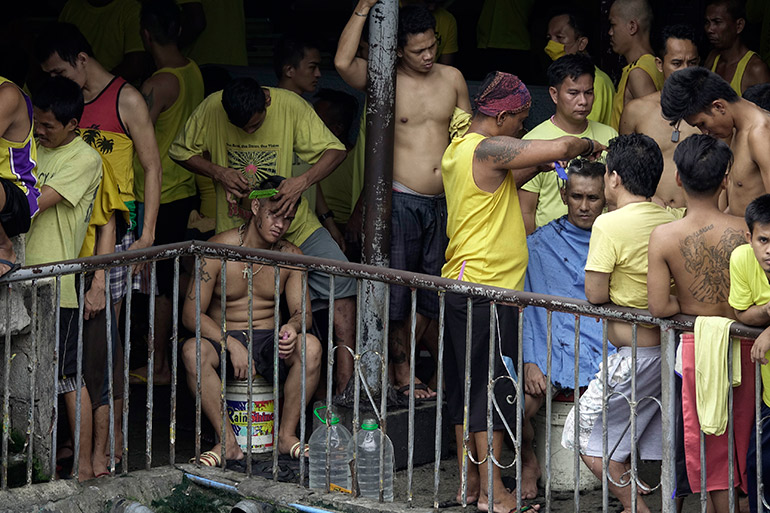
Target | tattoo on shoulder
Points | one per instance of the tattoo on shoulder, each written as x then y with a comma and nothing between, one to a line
149,98
709,265
498,151
205,276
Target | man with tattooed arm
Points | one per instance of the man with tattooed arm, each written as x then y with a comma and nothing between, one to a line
695,251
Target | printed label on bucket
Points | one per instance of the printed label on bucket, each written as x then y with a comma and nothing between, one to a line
261,423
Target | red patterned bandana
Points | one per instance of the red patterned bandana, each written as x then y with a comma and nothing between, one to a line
506,93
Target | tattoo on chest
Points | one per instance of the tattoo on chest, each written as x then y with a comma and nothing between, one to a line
499,152
709,265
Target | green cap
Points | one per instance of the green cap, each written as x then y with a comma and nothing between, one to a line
334,420
263,193
369,424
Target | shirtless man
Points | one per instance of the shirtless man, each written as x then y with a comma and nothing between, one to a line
695,252
705,101
643,115
427,94
730,58
630,22
262,231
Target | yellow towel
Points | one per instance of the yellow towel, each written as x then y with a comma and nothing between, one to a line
711,387
459,123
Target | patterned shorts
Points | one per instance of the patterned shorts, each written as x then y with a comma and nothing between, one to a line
118,275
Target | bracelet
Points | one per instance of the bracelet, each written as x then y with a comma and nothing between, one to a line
359,14
327,215
590,147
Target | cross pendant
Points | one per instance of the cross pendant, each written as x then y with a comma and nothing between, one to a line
245,271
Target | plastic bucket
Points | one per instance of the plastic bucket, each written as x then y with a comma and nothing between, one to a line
262,408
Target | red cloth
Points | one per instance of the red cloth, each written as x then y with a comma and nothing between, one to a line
505,93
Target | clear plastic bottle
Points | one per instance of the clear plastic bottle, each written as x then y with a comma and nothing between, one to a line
339,455
368,442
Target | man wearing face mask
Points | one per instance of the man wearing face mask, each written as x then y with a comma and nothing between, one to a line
571,81
568,34
643,115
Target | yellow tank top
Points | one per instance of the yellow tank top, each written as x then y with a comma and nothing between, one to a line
178,183
647,63
18,160
486,230
735,83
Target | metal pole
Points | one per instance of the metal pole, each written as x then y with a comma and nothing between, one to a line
378,176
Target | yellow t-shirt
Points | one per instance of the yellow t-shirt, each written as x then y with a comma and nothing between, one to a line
604,92
485,230
223,41
446,32
74,171
504,24
290,126
546,185
647,63
343,187
740,69
112,29
178,183
619,241
749,286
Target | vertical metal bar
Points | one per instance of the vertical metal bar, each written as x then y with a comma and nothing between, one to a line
223,362
78,381
576,432
303,383
466,398
360,350
276,390
55,421
150,365
758,420
548,408
32,376
730,427
668,402
410,443
383,395
605,389
110,367
519,404
439,397
198,264
490,408
250,376
174,363
330,358
703,490
632,408
126,365
6,391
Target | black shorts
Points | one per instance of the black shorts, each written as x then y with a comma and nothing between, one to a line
454,362
171,227
263,351
68,343
14,217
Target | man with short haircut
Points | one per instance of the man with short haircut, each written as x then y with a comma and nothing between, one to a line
571,85
643,116
264,230
69,173
630,22
759,95
481,172
568,33
297,65
557,258
428,95
730,58
695,253
705,101
18,184
172,93
749,296
616,271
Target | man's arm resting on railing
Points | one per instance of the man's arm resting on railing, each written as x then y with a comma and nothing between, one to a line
755,315
597,287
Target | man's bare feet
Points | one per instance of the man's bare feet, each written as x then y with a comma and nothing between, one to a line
292,446
530,473
233,452
505,502
421,390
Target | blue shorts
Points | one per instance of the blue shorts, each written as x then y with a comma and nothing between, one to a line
418,244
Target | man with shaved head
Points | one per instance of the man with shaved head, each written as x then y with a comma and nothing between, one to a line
630,22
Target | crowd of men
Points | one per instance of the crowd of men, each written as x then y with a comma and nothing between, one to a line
666,178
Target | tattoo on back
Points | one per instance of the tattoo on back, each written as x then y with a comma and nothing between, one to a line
500,152
710,265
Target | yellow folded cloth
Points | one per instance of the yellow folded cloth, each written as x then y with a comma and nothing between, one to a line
459,123
712,335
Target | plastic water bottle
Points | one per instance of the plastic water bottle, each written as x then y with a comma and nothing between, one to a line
339,455
123,505
368,442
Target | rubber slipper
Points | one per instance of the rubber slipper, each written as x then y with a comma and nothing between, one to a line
296,452
13,266
208,459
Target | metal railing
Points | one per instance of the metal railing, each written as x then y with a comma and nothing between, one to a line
496,296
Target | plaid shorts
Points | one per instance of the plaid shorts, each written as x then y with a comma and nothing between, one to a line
118,275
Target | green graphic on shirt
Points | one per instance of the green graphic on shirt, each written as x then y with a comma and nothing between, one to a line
255,165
